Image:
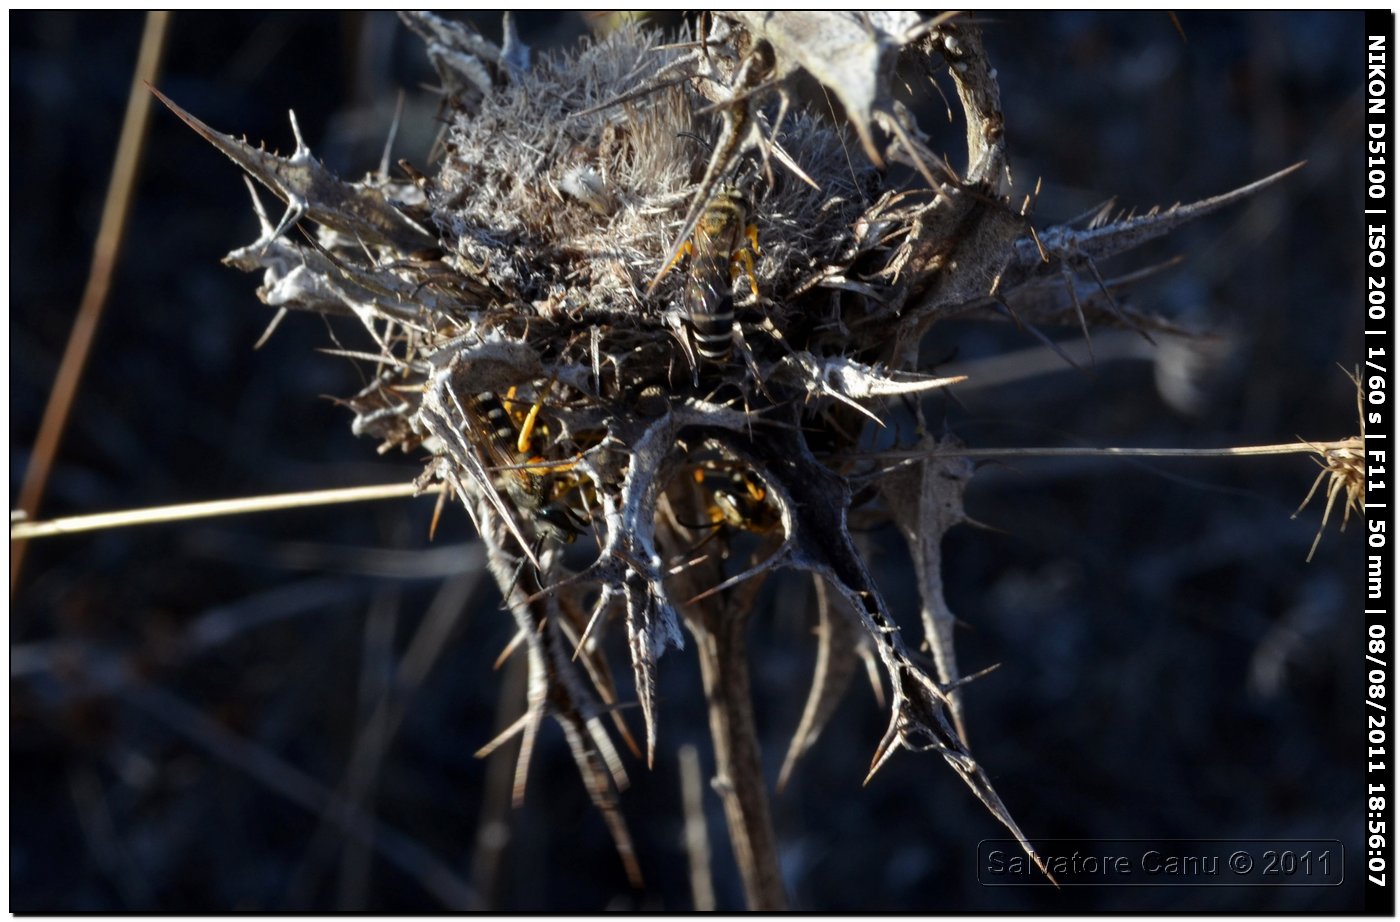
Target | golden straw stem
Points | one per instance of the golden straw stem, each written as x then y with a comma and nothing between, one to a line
20,531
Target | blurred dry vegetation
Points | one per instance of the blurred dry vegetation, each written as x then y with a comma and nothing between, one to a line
185,700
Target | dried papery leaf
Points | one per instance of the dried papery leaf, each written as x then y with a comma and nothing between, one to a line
505,570
925,499
465,61
959,41
1067,244
996,259
814,502
630,561
955,253
852,54
576,711
556,689
310,190
1051,301
591,655
851,381
838,640
1344,470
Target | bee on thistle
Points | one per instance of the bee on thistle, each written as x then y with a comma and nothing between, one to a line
724,242
736,497
511,452
744,503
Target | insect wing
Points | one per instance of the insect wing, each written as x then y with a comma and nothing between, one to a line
495,434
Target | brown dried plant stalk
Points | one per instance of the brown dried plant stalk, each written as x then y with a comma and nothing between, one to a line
640,315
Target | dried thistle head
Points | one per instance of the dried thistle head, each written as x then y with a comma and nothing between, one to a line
534,309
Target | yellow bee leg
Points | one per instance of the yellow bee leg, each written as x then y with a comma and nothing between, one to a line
745,258
751,232
686,249
526,440
538,465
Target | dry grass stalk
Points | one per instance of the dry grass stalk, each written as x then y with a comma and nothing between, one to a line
1344,468
105,252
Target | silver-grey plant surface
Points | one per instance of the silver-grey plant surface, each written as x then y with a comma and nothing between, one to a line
649,315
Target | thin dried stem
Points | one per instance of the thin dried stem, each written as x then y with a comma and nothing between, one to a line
724,667
105,251
493,832
1244,451
22,531
719,624
697,838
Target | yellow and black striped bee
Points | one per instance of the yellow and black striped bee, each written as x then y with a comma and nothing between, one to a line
723,242
738,499
527,480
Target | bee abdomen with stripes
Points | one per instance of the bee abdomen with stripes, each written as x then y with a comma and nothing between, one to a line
529,489
724,242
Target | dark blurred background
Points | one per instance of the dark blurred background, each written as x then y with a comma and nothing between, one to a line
185,697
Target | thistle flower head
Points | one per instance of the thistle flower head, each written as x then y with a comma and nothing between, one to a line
649,300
